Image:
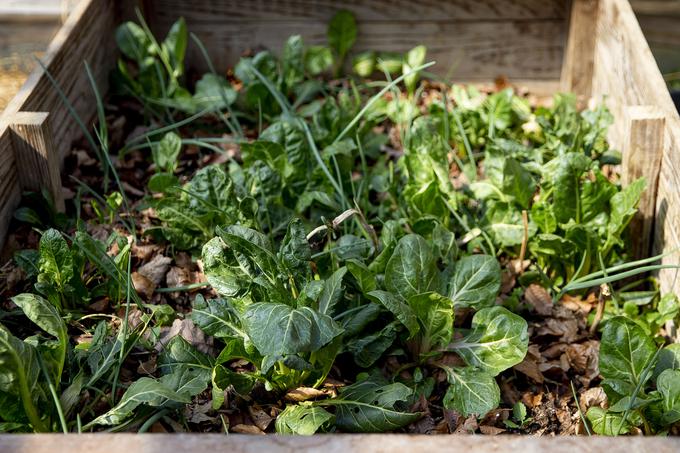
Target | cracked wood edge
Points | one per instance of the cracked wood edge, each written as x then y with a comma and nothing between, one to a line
642,153
36,159
577,67
625,74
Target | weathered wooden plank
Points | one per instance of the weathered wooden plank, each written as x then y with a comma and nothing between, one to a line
577,69
469,50
329,443
624,75
235,11
10,193
642,153
79,40
36,159
85,36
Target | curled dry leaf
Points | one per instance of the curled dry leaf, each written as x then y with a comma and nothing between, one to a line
539,298
143,285
189,331
530,365
491,430
178,276
246,429
198,412
156,269
145,251
592,397
304,394
584,359
469,426
147,367
577,304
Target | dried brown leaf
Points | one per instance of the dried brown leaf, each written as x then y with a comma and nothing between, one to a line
156,269
539,298
246,429
143,285
304,394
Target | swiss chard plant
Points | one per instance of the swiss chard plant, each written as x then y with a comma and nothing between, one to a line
353,255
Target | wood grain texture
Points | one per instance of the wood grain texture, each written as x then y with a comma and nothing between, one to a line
577,69
36,160
235,11
471,40
85,36
10,192
625,75
642,154
329,443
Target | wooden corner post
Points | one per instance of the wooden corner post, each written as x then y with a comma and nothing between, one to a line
579,55
642,153
36,158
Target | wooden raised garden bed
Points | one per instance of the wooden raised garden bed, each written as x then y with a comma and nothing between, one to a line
593,48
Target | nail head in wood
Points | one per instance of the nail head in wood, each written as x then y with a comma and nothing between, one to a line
642,153
36,158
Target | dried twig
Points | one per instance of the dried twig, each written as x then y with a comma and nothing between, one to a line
601,300
525,239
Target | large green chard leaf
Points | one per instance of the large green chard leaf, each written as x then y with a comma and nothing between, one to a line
518,182
472,391
213,91
498,340
175,46
293,61
223,378
42,313
367,349
363,276
216,317
133,42
505,224
145,390
251,247
668,385
303,420
412,269
184,369
435,318
669,359
369,406
625,352
19,373
342,32
223,271
623,208
277,329
399,308
607,423
475,282
56,261
564,172
295,253
166,152
332,292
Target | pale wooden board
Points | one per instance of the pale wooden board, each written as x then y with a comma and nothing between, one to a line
479,40
235,11
625,74
9,185
79,40
330,443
